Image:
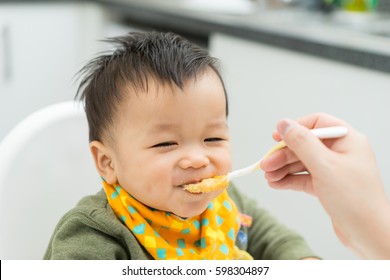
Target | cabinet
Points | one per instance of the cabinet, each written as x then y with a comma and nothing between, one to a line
42,46
266,84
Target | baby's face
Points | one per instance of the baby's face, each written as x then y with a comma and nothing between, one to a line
166,139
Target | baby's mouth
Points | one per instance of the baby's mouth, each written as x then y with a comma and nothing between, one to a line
185,184
208,185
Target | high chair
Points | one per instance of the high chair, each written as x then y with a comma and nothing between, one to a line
45,169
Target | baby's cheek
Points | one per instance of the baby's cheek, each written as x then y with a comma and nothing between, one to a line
225,162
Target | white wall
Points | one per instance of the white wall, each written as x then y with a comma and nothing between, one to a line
42,47
266,84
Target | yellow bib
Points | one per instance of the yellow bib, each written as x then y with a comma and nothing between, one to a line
210,235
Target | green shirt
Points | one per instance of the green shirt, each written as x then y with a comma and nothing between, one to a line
91,230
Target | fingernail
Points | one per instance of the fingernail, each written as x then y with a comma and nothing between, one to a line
285,125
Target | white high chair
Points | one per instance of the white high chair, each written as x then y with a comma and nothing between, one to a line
45,168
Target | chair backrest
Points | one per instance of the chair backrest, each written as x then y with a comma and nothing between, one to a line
45,168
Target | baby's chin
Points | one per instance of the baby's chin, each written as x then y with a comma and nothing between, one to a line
195,207
190,213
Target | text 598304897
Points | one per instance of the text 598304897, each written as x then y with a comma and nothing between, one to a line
241,270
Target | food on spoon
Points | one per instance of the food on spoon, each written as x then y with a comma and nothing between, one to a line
208,185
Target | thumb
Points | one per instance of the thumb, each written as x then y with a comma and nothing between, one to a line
305,145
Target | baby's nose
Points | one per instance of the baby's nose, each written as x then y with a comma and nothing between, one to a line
196,159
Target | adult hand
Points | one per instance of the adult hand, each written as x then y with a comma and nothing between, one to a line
342,173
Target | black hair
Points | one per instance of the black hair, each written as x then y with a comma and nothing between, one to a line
138,57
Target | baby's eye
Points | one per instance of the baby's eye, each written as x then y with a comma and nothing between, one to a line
213,139
167,144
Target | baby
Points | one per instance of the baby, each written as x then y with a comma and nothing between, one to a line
157,112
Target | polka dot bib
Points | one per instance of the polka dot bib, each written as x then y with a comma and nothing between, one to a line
165,236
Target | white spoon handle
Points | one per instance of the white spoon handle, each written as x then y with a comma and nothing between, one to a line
322,133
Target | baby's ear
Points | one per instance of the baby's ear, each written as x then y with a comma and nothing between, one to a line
103,161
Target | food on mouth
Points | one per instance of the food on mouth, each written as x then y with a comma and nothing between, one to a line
208,185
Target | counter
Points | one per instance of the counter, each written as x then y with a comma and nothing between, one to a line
358,40
335,36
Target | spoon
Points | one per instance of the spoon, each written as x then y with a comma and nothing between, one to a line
220,182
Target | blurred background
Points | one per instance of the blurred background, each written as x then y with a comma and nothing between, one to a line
279,58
